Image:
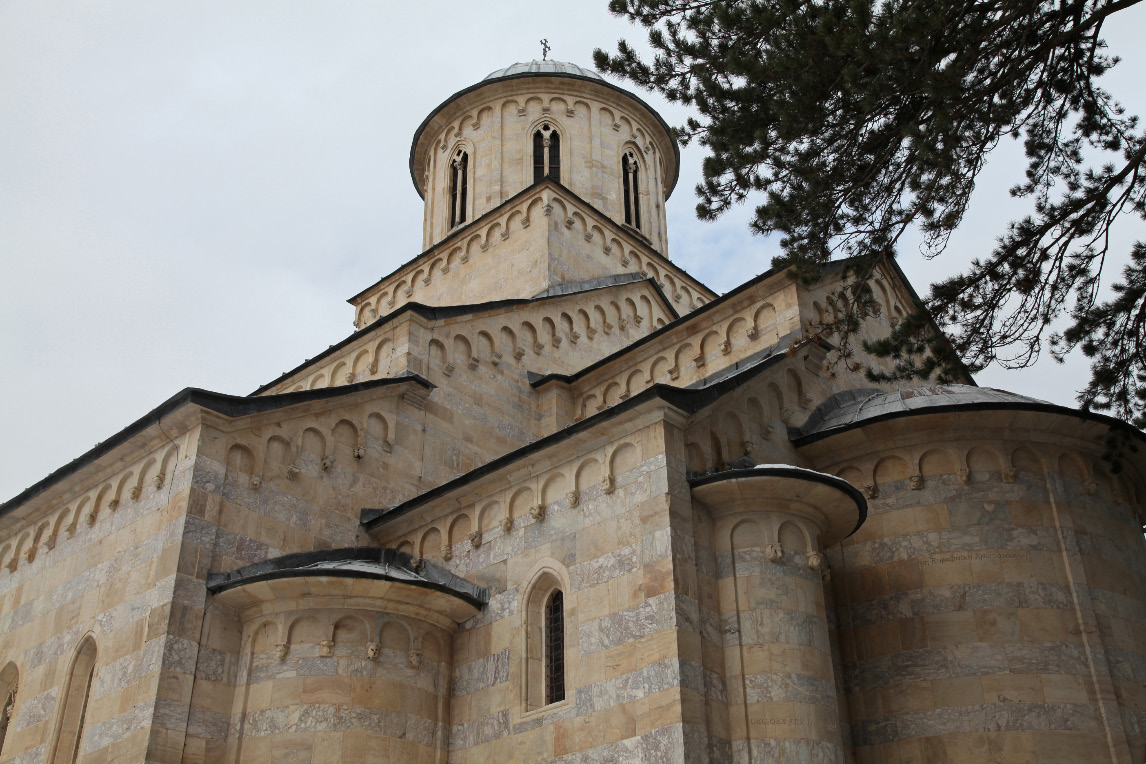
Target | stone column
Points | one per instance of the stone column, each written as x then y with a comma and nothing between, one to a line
771,525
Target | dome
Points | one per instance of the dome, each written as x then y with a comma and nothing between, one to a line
542,67
853,407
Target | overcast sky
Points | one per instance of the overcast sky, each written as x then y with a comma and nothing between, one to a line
190,191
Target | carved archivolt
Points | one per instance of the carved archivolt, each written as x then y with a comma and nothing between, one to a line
528,501
153,474
686,360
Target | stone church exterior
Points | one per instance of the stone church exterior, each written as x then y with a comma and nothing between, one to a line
555,500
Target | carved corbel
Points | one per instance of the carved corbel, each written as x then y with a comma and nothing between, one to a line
373,649
349,377
373,368
389,302
359,452
282,649
638,320
726,347
113,505
616,126
30,554
472,363
525,222
447,552
408,291
475,539
625,260
292,472
622,323
495,357
537,512
157,481
751,332
414,659
608,249
750,447
774,552
464,257
89,518
445,268
674,373
787,415
588,236
1008,474
504,234
574,336
547,208
327,462
569,112
506,524
538,347
521,111
871,490
806,400
574,498
255,482
677,296
699,361
387,446
570,222
417,564
590,332
606,327
448,369
768,431
557,341
326,648
1091,488
518,353
608,484
815,561
964,476
49,542
916,482
426,280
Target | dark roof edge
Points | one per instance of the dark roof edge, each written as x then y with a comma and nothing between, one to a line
601,82
221,403
568,378
436,312
642,241
792,472
298,565
685,399
954,408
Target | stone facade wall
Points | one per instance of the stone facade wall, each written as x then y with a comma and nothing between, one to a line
979,619
99,560
597,522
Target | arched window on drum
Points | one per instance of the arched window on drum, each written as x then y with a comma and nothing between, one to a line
630,172
546,154
459,187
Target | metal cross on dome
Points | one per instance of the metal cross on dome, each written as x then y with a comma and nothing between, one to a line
544,49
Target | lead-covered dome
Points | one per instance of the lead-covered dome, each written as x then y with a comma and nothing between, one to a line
542,67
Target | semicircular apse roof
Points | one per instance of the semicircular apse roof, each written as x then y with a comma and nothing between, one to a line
852,407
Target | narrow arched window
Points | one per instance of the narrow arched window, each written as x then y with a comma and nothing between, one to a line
459,185
9,681
555,648
632,191
546,154
77,688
